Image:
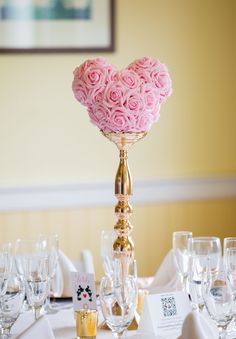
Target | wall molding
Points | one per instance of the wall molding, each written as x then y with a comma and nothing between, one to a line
101,194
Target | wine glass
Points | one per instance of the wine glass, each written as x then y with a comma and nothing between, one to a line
33,264
50,246
37,281
218,300
229,242
107,240
5,266
181,254
118,299
205,253
230,269
11,303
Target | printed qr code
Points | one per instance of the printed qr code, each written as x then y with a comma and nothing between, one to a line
168,306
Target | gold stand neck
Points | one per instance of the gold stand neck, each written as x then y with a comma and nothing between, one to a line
123,245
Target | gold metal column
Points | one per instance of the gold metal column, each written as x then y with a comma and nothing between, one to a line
123,245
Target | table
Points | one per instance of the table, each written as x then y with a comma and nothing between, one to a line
63,325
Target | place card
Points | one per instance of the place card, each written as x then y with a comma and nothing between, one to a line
163,314
83,291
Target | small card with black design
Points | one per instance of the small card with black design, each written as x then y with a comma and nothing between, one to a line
83,291
163,314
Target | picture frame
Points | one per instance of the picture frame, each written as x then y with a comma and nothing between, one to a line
42,26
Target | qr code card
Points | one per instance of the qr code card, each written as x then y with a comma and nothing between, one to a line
163,314
168,306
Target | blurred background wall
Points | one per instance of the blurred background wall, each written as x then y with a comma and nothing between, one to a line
46,138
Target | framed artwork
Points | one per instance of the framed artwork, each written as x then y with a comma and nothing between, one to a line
56,25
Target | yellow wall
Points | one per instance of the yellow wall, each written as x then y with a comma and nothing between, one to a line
46,137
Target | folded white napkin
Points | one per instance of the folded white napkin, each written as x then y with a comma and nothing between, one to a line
87,260
166,278
198,326
61,284
37,330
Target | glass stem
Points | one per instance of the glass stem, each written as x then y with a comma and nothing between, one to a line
5,332
119,335
222,332
37,312
184,281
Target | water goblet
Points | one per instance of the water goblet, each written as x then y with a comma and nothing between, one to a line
230,269
50,246
34,267
5,266
229,243
181,254
205,253
218,300
24,249
11,303
118,299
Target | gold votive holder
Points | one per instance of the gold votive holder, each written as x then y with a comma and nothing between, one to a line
142,292
86,324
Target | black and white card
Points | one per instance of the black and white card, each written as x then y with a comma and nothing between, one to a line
83,291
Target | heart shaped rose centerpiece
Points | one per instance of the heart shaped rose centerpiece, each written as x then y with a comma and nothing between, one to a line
122,101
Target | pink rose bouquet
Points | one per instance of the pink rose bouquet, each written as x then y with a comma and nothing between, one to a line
122,101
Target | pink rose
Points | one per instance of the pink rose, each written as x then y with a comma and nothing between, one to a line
129,78
144,63
134,102
120,122
163,81
114,95
151,97
96,96
99,116
94,76
80,91
143,122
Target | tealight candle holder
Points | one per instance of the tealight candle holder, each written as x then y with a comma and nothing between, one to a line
86,324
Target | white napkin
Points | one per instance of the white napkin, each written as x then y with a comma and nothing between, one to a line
198,326
166,278
87,260
37,330
61,284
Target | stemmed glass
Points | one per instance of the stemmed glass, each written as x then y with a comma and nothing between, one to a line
229,242
50,246
218,300
205,254
32,263
118,299
5,266
230,269
11,303
181,254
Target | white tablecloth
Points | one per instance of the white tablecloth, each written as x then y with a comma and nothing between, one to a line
63,325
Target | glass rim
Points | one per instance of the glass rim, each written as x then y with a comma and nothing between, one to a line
204,238
183,233
230,238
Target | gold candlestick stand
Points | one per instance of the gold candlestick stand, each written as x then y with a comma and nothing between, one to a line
123,245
